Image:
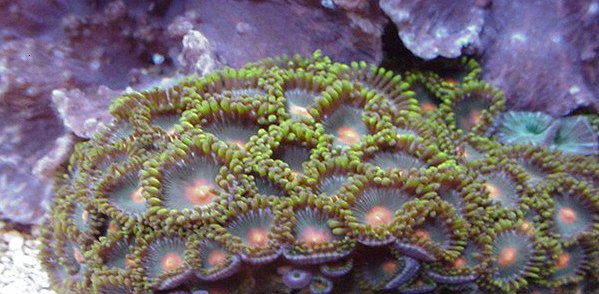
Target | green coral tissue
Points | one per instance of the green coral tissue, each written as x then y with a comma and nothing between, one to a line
300,175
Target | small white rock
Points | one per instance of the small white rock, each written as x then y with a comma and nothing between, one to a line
15,243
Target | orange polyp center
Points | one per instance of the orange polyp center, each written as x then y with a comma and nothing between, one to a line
199,192
257,237
425,107
137,197
474,117
78,255
379,216
318,284
299,111
389,267
451,81
462,152
216,258
460,262
525,227
312,235
294,173
281,270
113,227
507,256
423,234
238,143
170,130
563,260
348,136
130,262
494,191
85,215
171,261
567,215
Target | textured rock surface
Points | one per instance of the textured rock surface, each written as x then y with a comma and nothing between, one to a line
84,114
284,27
545,57
433,28
542,54
62,62
24,197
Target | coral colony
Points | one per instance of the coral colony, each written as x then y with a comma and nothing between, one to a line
296,175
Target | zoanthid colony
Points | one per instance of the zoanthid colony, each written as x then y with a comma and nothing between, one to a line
296,175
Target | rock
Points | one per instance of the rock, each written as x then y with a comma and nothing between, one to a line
198,56
248,31
62,62
20,270
84,113
544,58
15,243
433,28
542,54
23,198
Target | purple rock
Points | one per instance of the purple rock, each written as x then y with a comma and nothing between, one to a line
62,62
28,124
432,28
84,114
23,198
542,54
250,30
197,56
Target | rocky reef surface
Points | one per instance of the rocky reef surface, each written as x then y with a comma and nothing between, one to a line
62,63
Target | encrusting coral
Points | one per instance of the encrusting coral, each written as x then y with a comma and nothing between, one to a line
300,175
